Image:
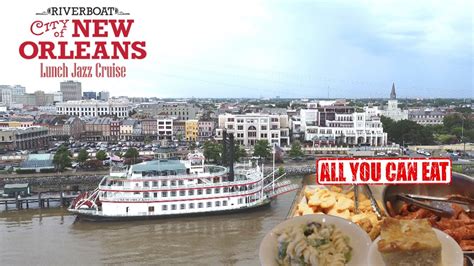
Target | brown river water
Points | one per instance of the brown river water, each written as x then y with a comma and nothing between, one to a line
52,237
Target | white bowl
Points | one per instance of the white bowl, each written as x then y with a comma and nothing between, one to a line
359,240
451,253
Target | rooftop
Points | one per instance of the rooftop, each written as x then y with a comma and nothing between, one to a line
159,165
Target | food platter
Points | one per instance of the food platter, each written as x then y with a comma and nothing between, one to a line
359,240
315,204
457,226
451,252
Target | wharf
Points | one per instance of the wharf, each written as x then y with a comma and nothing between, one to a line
43,199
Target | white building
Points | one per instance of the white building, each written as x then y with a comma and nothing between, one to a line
165,128
337,125
391,110
94,108
426,116
248,128
6,96
57,96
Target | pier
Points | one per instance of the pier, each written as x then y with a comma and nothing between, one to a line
44,200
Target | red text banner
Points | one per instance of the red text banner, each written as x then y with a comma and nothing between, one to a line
332,171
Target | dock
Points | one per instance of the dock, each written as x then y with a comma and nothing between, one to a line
44,199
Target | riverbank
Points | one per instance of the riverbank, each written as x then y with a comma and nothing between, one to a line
90,180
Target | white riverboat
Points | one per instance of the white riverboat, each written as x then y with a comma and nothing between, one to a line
164,188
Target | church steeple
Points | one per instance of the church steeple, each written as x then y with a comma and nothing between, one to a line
393,94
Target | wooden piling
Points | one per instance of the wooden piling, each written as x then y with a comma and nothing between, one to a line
40,201
27,204
47,202
61,199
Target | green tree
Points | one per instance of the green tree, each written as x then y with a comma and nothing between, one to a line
192,146
82,156
296,150
407,132
262,148
101,155
212,151
62,158
132,154
281,170
239,152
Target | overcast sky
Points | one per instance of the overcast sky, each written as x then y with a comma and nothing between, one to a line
273,48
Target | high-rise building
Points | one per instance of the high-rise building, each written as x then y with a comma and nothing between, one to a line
90,95
104,96
72,90
6,96
18,90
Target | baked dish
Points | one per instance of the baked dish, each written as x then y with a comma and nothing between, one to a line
409,243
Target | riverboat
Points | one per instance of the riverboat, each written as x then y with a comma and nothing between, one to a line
166,188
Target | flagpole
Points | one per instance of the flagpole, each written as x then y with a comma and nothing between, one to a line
273,181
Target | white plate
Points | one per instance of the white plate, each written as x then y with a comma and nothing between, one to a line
451,253
359,240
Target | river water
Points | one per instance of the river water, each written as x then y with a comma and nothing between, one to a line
52,237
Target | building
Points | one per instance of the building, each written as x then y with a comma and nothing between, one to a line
295,128
74,127
115,129
126,129
31,138
206,129
38,98
179,129
58,97
103,96
149,127
137,130
72,90
61,127
177,110
27,99
191,130
97,129
341,125
94,108
391,110
38,163
426,117
165,128
14,190
248,128
89,95
6,97
43,98
7,93
17,122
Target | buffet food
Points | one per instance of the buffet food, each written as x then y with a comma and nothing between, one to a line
313,243
409,242
460,226
334,201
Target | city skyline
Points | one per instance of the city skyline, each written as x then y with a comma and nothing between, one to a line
286,49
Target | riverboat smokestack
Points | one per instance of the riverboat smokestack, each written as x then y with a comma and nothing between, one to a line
228,153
